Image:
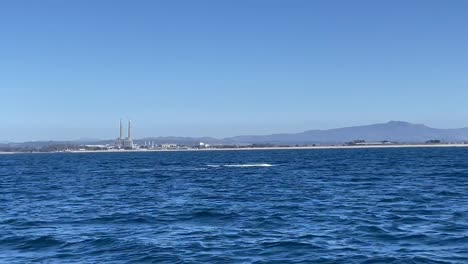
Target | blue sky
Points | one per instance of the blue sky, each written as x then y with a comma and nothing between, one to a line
71,69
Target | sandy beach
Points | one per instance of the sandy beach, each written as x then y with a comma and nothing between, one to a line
286,148
258,148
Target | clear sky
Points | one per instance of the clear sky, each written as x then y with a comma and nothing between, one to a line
71,69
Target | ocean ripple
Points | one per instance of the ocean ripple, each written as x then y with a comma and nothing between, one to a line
277,206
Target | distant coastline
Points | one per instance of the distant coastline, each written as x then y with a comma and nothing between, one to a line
255,148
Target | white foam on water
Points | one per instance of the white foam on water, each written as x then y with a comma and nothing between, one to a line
248,165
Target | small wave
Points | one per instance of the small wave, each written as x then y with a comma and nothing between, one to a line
40,243
118,218
289,245
124,170
241,165
213,215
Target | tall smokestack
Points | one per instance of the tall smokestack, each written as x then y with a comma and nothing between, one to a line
121,129
129,129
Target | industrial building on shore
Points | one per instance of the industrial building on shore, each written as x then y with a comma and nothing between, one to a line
125,142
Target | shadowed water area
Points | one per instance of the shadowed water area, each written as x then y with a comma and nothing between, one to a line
283,206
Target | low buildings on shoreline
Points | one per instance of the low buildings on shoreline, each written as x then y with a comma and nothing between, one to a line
127,143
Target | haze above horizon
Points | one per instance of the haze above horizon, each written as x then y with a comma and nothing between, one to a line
70,70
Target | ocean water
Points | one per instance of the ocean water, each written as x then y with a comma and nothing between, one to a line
285,206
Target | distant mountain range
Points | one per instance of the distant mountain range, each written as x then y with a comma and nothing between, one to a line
395,131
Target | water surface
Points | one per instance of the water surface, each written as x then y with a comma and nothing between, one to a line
284,206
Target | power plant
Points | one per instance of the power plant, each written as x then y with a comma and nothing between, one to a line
125,143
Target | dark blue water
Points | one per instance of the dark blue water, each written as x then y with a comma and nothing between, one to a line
309,206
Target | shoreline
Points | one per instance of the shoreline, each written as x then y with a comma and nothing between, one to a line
255,148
